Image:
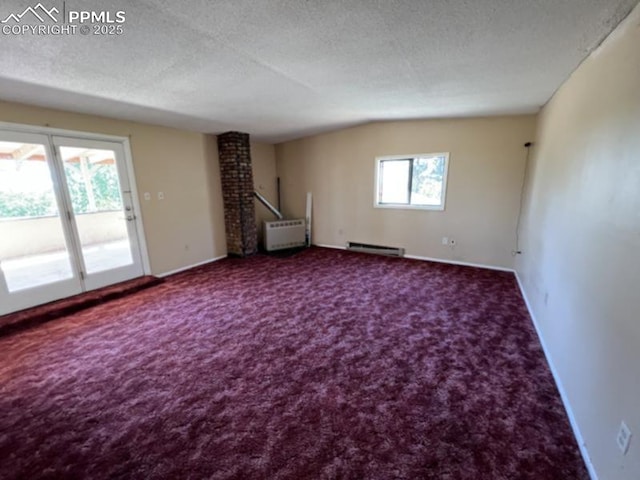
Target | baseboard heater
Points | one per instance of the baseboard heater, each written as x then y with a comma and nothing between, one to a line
376,249
283,234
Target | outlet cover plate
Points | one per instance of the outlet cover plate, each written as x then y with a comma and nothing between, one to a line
623,438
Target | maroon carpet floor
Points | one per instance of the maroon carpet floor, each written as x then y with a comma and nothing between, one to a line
324,365
24,319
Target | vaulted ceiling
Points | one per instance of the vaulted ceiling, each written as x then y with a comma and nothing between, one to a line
281,69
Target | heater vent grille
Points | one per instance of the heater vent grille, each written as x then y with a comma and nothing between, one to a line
284,234
376,249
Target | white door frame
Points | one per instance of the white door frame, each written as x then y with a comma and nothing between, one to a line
112,275
45,135
128,160
38,294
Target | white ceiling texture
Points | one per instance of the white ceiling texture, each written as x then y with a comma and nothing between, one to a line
282,69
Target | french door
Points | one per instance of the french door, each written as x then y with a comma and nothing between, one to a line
67,219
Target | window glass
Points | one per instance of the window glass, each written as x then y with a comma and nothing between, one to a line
394,178
412,181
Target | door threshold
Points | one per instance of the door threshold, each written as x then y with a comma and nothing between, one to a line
31,317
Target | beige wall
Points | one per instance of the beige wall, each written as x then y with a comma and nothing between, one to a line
263,159
186,227
486,166
580,266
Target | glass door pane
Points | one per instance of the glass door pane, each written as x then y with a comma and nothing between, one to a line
94,188
67,220
104,222
37,259
33,245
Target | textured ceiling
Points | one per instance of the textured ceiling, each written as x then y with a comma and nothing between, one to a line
281,69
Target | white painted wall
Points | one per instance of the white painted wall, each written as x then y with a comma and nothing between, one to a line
580,267
263,161
486,166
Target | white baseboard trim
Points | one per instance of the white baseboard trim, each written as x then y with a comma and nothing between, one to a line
432,259
336,247
182,269
563,395
456,262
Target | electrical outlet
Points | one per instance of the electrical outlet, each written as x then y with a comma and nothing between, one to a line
445,240
623,438
160,195
147,196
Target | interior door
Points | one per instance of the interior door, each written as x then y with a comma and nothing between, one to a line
37,261
102,218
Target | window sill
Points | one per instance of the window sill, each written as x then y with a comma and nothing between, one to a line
394,206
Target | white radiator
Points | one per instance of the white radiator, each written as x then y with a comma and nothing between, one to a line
283,234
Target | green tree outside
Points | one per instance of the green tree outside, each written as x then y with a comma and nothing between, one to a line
104,183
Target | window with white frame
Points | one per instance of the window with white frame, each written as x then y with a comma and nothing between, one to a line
412,181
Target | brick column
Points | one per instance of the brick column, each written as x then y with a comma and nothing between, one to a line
237,192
